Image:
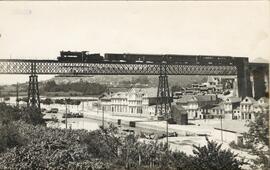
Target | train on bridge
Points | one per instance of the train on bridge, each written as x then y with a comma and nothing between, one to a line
129,58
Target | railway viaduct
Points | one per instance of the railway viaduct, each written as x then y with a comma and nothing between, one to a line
252,78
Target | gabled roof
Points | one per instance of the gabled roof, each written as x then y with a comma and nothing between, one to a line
233,99
250,100
184,99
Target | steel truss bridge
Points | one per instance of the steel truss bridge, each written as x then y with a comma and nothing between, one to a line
55,67
240,68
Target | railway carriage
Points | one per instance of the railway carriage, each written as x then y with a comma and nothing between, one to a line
131,58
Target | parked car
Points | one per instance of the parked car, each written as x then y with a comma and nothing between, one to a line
68,115
54,110
73,115
77,115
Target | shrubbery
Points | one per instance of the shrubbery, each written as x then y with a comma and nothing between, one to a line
34,146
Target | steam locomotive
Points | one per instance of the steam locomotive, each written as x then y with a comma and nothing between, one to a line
129,58
83,56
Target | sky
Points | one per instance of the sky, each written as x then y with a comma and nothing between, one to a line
40,30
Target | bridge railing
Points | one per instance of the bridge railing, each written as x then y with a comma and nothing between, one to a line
54,67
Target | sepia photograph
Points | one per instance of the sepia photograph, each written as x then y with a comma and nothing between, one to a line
134,85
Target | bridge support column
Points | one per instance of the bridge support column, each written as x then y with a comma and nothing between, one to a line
33,91
243,76
163,104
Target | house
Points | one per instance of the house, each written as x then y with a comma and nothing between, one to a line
248,106
217,111
236,113
119,103
229,105
135,101
204,111
195,104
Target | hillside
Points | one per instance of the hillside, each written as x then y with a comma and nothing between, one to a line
117,79
109,81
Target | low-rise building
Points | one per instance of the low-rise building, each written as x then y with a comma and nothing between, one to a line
229,105
136,101
247,108
236,113
196,103
217,111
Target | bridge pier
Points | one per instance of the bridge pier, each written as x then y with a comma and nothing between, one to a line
33,99
259,76
243,77
163,103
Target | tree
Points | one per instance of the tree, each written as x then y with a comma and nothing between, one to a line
257,138
32,115
10,136
212,157
8,113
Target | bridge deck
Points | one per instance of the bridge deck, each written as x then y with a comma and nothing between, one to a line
17,66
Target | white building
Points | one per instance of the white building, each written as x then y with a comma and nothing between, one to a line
248,106
135,102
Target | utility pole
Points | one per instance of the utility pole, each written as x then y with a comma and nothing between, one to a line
167,131
17,95
66,114
103,117
221,128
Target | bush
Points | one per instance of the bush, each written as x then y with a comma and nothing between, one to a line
257,138
10,136
32,115
49,148
8,113
211,156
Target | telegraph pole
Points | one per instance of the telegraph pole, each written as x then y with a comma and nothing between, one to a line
221,130
103,117
167,131
17,95
66,114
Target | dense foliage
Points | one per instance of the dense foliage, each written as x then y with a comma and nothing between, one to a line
29,115
33,146
84,87
211,156
257,139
